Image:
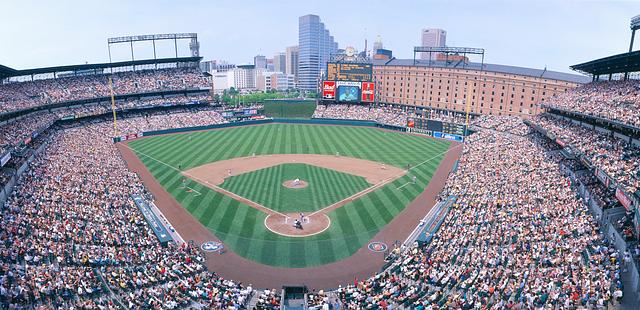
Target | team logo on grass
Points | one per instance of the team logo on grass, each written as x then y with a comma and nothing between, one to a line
377,246
211,246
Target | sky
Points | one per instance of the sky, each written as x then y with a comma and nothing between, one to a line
535,34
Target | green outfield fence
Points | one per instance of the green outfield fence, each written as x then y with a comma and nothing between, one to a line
288,108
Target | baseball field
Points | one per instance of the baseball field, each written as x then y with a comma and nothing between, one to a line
240,183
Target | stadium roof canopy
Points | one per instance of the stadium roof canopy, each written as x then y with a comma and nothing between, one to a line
6,72
538,73
621,63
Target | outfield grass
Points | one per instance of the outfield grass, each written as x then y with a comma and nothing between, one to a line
289,108
241,227
326,187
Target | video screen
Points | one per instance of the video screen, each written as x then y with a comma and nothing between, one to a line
348,93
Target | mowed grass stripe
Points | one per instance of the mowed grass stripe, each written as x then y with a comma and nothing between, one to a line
314,194
358,147
241,147
352,147
323,182
184,146
324,147
312,144
382,213
263,145
246,150
288,147
356,228
231,149
274,176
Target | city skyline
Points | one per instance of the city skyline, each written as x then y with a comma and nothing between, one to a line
433,38
530,34
315,44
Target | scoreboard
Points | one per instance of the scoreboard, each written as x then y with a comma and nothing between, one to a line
362,72
348,91
436,126
452,128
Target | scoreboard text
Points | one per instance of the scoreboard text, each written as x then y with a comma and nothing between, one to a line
436,126
350,72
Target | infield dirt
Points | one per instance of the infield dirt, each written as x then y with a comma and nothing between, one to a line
215,173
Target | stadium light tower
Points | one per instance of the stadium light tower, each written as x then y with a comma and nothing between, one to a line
635,25
194,46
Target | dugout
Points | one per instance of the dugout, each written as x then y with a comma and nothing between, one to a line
294,297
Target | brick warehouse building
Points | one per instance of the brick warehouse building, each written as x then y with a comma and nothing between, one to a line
497,89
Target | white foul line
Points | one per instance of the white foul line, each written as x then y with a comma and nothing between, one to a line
193,189
217,188
403,185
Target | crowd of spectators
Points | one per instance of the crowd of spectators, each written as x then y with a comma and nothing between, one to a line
18,130
22,95
362,112
70,222
177,119
384,114
510,124
321,300
517,237
604,196
21,131
135,103
619,159
626,227
614,100
155,102
268,300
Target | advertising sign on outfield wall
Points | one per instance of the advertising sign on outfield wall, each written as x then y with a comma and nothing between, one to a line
447,136
368,92
329,90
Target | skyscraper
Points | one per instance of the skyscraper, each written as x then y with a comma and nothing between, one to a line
433,38
280,62
260,61
292,61
377,45
316,46
270,64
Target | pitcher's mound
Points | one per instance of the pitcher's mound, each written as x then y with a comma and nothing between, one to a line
294,184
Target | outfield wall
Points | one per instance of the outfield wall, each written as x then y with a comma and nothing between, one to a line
313,121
